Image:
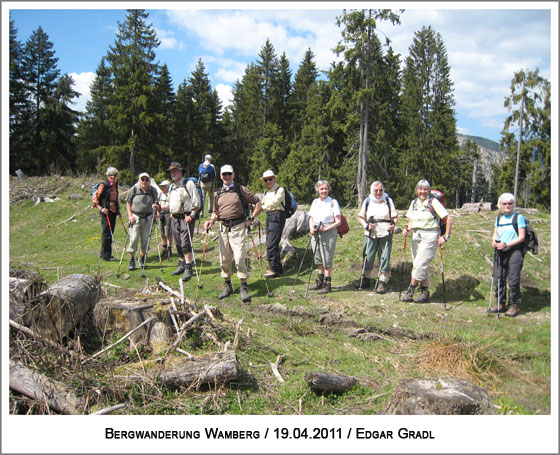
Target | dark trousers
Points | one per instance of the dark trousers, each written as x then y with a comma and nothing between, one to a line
275,222
181,236
508,270
106,239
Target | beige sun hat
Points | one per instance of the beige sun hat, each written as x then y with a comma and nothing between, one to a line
267,174
226,168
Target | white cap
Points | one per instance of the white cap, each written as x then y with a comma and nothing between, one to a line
226,168
267,174
164,183
208,157
144,174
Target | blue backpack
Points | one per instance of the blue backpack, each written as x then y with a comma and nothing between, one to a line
195,181
206,173
290,204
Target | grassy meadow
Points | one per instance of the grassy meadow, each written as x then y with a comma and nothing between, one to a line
509,357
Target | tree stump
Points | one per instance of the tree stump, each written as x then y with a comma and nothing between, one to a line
46,390
216,368
445,396
24,286
330,382
477,207
64,304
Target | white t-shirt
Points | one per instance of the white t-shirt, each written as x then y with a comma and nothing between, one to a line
324,211
379,211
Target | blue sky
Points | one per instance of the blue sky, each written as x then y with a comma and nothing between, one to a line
485,46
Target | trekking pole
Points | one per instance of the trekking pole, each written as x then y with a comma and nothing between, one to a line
147,246
269,294
158,238
317,240
122,255
199,285
492,285
192,250
383,257
442,278
364,255
300,266
402,268
122,222
112,237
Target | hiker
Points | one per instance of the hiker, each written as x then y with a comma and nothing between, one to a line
273,204
231,209
106,200
141,203
325,212
425,238
378,216
184,203
509,246
206,177
165,219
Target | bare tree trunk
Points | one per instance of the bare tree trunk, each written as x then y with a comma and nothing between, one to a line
519,140
474,182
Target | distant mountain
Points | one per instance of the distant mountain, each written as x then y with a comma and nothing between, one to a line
489,153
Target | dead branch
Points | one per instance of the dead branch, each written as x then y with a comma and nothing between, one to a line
108,410
274,367
38,337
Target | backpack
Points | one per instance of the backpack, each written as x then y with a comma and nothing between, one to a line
290,204
195,181
440,197
206,173
153,193
104,196
94,189
531,240
343,228
237,189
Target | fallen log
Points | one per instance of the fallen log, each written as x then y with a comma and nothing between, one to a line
217,368
23,290
330,382
64,304
477,207
445,396
46,390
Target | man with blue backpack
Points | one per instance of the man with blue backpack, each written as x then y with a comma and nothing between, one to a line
206,178
279,204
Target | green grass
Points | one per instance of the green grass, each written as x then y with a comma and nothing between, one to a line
508,357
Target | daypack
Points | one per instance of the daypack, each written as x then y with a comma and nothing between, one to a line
151,192
104,196
440,197
343,228
237,189
290,204
206,173
531,240
94,189
195,181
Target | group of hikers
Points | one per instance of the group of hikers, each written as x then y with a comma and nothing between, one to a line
179,203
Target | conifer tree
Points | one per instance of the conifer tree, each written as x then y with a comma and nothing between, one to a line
164,121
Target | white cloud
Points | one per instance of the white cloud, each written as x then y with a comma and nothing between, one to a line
463,131
224,92
168,40
82,82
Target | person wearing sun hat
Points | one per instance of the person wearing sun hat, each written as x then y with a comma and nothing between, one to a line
165,219
273,204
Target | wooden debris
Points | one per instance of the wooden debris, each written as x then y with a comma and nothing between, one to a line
213,369
477,207
274,367
39,387
108,410
330,382
445,396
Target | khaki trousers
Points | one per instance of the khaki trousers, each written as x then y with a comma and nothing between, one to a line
424,247
233,246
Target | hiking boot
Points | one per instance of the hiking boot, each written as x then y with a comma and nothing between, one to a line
187,275
180,268
271,274
228,290
244,291
326,287
424,296
141,261
319,282
366,283
408,295
512,311
111,258
131,264
497,309
381,289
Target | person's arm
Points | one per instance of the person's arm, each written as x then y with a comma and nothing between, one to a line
444,238
131,217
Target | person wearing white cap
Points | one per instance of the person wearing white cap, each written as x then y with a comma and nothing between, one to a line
206,177
165,219
231,209
141,203
273,204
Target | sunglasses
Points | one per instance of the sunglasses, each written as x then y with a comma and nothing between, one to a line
226,173
270,179
507,203
145,179
112,175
